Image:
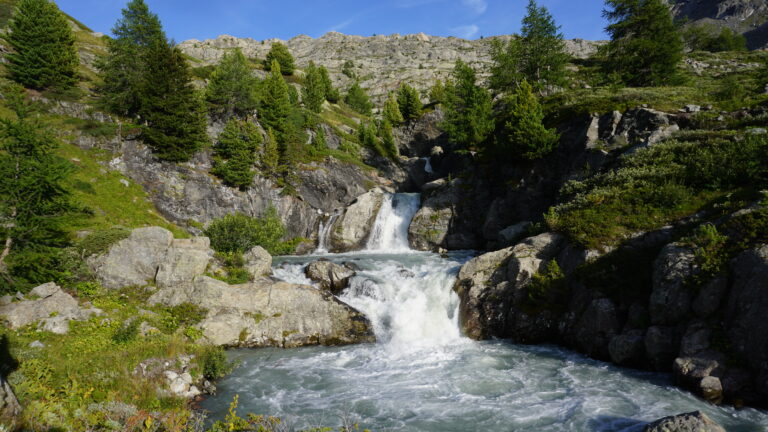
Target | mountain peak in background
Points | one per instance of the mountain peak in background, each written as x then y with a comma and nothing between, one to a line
747,17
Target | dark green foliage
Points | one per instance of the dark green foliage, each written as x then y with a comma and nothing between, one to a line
391,111
123,69
271,156
706,38
44,53
537,56
710,252
34,205
409,102
366,136
388,140
331,94
315,90
279,53
319,141
348,69
657,185
275,104
127,333
182,315
239,233
437,92
235,154
646,47
731,91
468,109
215,364
520,131
548,288
358,100
231,90
172,109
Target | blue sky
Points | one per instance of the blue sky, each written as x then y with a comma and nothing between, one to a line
264,19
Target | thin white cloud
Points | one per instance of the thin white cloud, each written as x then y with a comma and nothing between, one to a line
466,31
341,26
478,6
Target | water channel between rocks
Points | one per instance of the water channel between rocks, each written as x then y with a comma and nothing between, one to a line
422,375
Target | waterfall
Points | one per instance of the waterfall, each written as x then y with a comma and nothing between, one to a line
324,233
390,231
428,165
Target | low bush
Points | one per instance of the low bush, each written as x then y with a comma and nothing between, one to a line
239,233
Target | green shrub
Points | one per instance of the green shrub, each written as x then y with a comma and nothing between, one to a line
182,315
127,333
215,364
548,288
100,241
239,233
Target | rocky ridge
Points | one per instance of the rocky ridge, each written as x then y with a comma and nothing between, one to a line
748,17
381,62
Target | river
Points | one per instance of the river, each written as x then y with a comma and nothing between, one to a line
423,375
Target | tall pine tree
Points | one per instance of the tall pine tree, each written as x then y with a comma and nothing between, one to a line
468,109
231,90
44,53
521,133
358,100
391,112
275,104
331,93
314,91
280,53
235,154
34,203
123,69
172,109
646,46
409,102
537,55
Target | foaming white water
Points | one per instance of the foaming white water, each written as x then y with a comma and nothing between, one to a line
428,165
390,231
324,232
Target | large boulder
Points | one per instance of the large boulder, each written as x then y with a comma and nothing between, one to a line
352,229
48,305
492,289
258,262
671,297
330,276
267,313
695,421
9,405
152,255
134,260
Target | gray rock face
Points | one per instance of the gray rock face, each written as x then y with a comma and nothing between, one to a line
352,229
48,305
492,289
258,262
152,255
690,422
671,299
747,17
330,276
267,313
628,348
385,61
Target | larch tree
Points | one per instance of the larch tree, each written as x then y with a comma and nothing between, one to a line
43,46
314,90
232,89
358,100
520,131
468,109
409,102
391,111
275,104
235,154
280,53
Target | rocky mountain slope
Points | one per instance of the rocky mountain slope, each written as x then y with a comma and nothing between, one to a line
749,17
381,62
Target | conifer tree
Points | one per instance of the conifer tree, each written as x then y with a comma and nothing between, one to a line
646,47
537,55
388,140
271,157
331,93
319,141
235,154
44,53
280,53
172,109
358,100
468,109
34,203
314,91
437,92
275,104
409,102
231,90
521,132
391,112
123,69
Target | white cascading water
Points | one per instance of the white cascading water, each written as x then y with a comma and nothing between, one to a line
324,233
390,231
422,375
428,165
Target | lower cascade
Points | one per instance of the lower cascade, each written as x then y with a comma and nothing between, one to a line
423,375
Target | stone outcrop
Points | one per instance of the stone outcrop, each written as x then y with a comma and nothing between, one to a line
9,404
269,313
748,17
176,376
258,262
152,255
383,61
48,306
352,229
330,276
695,421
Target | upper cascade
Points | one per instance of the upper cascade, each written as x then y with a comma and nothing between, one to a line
390,231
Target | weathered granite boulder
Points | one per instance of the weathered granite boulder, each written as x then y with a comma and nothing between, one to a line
134,260
493,286
695,421
671,298
352,229
184,259
330,276
258,262
268,313
48,305
628,349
